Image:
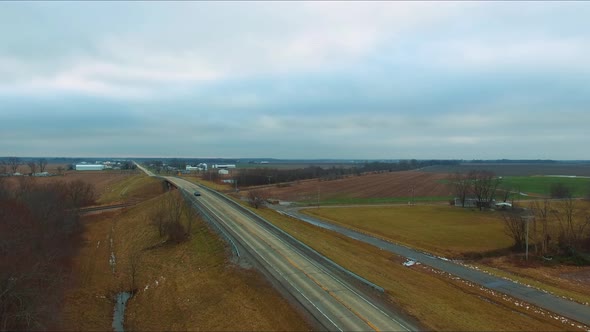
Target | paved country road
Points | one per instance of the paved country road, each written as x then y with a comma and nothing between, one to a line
335,304
569,309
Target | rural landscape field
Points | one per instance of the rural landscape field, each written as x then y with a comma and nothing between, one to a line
294,166
139,236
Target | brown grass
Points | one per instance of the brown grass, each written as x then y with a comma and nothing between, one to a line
100,180
394,184
131,188
452,232
189,286
443,230
567,281
436,301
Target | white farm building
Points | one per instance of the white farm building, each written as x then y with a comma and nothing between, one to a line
88,167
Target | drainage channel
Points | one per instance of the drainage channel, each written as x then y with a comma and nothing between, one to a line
119,315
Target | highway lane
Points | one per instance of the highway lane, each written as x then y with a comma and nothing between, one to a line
333,302
148,173
566,308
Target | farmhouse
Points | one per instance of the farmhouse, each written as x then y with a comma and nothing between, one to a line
89,167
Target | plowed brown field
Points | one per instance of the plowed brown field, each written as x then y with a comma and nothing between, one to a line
394,184
100,180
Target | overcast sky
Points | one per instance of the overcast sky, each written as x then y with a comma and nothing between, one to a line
468,80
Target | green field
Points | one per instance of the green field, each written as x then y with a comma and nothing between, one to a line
442,230
540,185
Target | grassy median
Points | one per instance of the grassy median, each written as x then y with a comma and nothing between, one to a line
438,302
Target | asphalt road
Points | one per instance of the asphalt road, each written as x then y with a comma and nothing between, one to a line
336,304
144,169
569,309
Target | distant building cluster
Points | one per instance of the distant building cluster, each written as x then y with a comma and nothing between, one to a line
101,165
199,167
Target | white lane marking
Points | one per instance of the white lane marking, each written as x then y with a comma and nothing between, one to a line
283,275
327,273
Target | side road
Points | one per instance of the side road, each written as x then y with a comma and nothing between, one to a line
569,309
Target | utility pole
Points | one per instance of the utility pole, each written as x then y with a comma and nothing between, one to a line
527,239
526,219
318,196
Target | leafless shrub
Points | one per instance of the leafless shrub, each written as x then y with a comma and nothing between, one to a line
167,218
257,198
514,226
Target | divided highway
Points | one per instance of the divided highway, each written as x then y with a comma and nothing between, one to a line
334,303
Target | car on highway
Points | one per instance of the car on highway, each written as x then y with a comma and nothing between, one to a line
197,193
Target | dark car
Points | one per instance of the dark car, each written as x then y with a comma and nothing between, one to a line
197,193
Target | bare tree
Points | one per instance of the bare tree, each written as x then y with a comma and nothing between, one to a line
134,265
484,187
42,162
541,211
461,186
167,217
572,224
257,198
14,163
60,169
514,226
81,193
158,218
32,166
2,167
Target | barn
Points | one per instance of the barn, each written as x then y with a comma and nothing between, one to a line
89,167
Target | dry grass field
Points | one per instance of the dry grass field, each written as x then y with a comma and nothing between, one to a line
370,186
438,302
454,232
131,188
443,230
188,286
101,180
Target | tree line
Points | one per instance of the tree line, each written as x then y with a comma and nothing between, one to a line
266,175
556,226
39,230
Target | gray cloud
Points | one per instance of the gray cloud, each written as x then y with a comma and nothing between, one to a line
295,80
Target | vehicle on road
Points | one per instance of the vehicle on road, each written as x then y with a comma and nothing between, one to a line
197,193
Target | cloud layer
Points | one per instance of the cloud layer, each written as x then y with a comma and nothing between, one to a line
295,80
